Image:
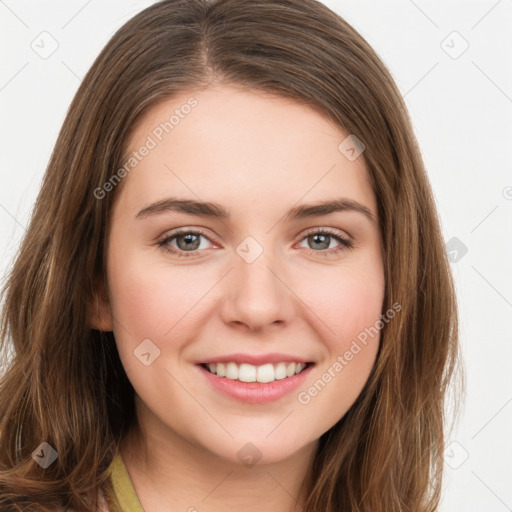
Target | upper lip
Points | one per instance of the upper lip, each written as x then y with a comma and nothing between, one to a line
255,360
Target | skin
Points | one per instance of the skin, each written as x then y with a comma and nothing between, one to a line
258,156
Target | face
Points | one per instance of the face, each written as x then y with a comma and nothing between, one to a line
247,283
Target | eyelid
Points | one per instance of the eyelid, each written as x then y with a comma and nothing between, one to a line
331,231
343,238
345,241
164,239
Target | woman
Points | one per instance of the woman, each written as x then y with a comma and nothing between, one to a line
181,339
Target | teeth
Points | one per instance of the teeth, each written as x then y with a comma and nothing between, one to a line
265,373
280,371
247,373
221,370
231,371
250,373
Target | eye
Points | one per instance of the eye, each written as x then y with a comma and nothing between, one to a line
321,239
187,241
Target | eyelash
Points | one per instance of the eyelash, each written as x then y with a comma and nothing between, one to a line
344,243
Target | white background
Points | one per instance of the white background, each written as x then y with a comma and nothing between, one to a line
461,110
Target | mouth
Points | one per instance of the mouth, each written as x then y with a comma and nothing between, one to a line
256,384
262,374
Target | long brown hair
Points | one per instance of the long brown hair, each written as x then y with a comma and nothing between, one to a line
65,384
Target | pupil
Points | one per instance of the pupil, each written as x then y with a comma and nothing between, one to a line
323,240
189,241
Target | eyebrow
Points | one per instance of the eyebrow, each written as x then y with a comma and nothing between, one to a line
215,210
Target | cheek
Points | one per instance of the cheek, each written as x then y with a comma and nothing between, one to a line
346,301
349,308
151,301
139,304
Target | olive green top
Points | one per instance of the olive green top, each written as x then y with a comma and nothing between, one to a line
124,498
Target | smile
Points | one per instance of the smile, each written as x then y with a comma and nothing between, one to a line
265,373
263,384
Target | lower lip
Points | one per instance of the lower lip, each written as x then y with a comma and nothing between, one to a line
256,392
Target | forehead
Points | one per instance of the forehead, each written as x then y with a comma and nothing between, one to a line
239,147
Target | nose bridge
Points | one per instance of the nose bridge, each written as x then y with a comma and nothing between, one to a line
257,296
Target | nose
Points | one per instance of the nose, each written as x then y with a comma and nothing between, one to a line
256,294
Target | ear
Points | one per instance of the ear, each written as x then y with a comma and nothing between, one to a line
100,315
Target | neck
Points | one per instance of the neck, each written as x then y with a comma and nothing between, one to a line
170,473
